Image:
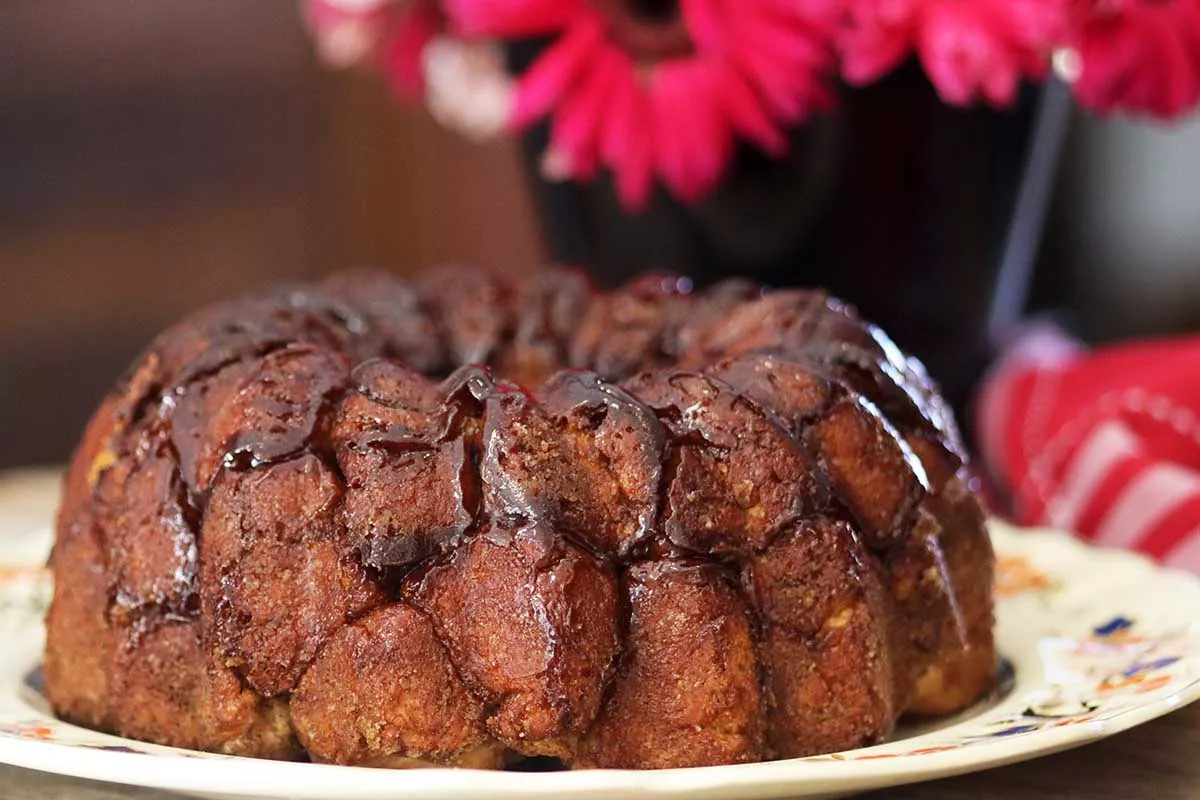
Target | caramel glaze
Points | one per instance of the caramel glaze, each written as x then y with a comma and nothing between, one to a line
678,529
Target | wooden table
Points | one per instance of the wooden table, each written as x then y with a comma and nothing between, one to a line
1159,760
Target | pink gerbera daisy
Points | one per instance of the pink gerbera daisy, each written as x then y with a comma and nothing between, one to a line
389,35
1135,55
662,87
970,49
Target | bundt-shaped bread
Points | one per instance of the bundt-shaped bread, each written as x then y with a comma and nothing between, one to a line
462,522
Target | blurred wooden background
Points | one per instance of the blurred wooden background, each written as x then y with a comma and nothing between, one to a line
158,154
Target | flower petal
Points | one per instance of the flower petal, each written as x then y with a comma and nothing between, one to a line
577,125
748,114
1036,24
511,18
967,52
692,144
619,119
670,131
713,137
822,16
402,56
633,164
344,36
777,87
792,49
1138,55
1175,87
704,24
545,82
876,36
868,57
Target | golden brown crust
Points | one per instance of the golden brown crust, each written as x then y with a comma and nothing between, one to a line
384,687
276,578
274,413
688,690
826,616
965,667
735,476
869,465
763,324
632,328
474,309
152,553
531,624
763,544
587,458
157,676
928,622
399,323
79,641
550,308
409,481
162,682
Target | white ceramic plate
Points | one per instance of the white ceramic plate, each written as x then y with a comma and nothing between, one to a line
1098,641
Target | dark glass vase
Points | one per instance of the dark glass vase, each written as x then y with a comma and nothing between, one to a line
895,202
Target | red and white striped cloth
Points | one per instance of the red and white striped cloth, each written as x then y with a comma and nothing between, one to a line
1103,443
